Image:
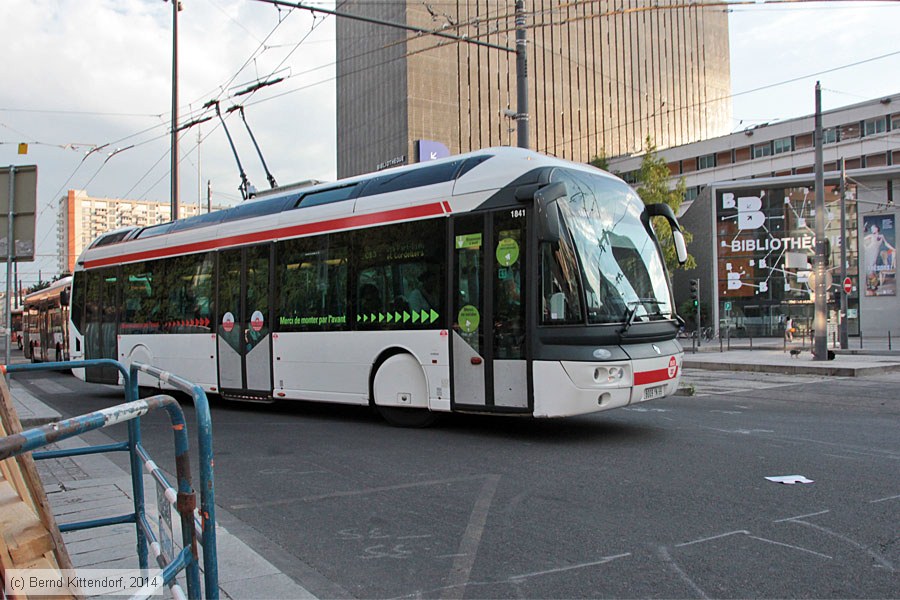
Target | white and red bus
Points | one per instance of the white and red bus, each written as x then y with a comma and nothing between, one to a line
500,281
45,322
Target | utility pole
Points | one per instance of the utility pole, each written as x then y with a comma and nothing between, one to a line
820,323
176,6
521,113
10,255
845,341
521,76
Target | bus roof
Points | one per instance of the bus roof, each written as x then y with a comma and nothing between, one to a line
48,292
454,184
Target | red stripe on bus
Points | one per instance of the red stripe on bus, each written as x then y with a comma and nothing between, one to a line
646,377
446,206
355,221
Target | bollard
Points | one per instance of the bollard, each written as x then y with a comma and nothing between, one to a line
889,339
720,343
860,338
751,341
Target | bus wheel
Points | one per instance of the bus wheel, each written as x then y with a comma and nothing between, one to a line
400,392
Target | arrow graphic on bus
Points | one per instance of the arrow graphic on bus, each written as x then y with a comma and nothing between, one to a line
422,316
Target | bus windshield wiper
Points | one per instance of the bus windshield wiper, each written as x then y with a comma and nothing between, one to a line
633,313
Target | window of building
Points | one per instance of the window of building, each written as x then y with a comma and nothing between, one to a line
782,145
803,141
706,162
830,135
875,126
877,160
849,131
895,121
762,150
742,154
629,177
691,193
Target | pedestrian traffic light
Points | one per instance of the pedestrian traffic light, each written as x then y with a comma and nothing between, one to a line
695,292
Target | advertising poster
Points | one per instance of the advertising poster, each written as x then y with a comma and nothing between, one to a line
879,255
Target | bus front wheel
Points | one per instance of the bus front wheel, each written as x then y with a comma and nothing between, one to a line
400,391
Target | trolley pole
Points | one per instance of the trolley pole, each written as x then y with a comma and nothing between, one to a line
820,324
845,341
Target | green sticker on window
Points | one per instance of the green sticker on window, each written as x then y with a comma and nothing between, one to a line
507,252
468,318
469,240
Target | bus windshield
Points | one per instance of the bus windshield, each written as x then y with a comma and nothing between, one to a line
622,272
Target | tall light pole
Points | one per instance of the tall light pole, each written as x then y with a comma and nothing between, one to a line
521,76
820,347
176,7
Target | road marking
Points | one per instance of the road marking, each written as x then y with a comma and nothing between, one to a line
347,494
602,561
790,546
468,546
878,558
667,558
715,537
815,514
884,499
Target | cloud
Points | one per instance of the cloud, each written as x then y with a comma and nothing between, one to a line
66,58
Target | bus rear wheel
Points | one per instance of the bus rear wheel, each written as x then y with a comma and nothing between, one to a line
400,392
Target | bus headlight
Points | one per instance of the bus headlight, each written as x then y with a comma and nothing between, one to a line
608,374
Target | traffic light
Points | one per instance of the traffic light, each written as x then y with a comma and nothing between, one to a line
695,293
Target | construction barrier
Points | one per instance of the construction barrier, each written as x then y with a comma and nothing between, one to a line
195,524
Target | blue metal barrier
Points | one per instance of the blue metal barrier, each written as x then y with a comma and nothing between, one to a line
193,522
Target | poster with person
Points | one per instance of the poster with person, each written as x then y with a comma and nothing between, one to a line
879,255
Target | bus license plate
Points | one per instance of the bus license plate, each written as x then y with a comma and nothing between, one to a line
654,392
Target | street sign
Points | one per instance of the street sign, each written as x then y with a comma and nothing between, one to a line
24,189
848,285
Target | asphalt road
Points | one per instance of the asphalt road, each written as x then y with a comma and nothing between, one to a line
664,500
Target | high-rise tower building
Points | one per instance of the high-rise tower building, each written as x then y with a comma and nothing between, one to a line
602,76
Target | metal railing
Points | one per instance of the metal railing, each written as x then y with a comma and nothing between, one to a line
194,523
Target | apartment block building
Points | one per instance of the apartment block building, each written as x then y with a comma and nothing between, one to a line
81,218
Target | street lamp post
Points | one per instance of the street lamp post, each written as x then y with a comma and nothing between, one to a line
845,342
820,346
176,7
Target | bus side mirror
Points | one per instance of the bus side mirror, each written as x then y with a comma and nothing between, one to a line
680,246
660,209
64,298
545,199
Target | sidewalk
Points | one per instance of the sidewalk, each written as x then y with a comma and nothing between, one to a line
773,355
90,487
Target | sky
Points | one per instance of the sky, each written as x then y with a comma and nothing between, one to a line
87,84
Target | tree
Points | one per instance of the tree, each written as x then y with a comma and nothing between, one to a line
653,186
600,161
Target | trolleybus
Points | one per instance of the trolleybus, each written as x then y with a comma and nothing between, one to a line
45,322
500,281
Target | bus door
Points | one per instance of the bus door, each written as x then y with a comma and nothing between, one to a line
101,324
244,323
489,354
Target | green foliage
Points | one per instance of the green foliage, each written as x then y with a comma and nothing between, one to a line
40,285
653,186
600,161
